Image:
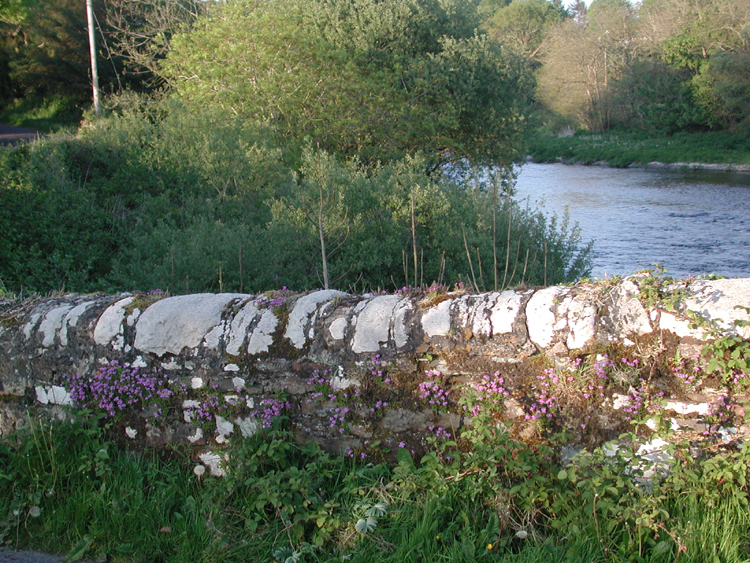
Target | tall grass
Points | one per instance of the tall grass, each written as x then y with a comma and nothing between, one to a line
64,487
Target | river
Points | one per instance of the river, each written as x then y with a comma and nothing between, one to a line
692,223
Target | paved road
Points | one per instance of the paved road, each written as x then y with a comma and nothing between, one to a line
10,135
7,556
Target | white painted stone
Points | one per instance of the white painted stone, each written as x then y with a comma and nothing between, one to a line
238,383
197,436
262,337
59,396
627,311
131,432
52,323
28,328
581,316
171,365
71,320
687,408
505,309
540,317
223,426
196,383
109,325
175,323
41,394
436,321
231,367
239,326
679,326
213,462
620,401
337,330
213,337
373,324
304,308
54,395
338,383
139,362
248,426
400,330
133,317
231,399
250,402
716,300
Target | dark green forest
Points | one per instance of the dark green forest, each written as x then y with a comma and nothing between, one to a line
248,145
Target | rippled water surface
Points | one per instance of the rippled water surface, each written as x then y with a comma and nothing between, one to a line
691,223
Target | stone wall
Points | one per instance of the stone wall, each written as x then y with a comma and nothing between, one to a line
353,370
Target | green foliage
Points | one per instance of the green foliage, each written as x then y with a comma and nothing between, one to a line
199,201
65,486
729,355
373,79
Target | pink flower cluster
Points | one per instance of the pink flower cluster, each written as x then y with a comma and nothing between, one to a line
272,410
117,386
490,392
432,392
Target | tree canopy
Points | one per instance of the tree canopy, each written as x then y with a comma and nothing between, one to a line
356,77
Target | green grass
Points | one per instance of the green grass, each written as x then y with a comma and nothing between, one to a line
621,149
66,488
46,115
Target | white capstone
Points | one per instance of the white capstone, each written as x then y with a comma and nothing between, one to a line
436,321
679,326
52,323
304,308
504,311
109,325
400,330
627,311
580,316
175,323
239,326
262,336
29,326
133,317
71,320
717,300
540,317
374,323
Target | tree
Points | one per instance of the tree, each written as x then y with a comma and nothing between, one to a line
141,30
371,79
584,60
524,25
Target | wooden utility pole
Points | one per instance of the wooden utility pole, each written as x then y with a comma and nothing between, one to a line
92,49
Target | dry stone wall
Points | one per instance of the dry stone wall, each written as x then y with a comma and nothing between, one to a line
352,370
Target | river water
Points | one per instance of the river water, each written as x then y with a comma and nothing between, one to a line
691,223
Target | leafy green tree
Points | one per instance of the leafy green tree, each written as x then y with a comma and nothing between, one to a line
524,25
365,78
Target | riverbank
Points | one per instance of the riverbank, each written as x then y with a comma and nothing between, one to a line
715,151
